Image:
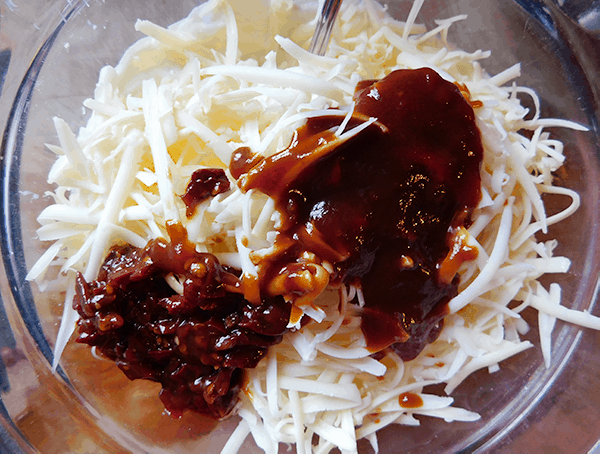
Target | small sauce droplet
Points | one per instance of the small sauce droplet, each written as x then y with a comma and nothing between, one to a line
410,400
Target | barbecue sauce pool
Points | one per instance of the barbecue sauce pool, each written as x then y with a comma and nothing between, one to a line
381,206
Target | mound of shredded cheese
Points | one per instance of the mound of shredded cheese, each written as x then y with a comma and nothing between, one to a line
189,95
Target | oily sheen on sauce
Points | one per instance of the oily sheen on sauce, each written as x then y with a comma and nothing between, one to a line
382,209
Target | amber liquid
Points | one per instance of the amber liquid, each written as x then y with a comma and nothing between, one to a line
133,405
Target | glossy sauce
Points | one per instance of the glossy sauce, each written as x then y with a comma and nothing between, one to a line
380,206
205,183
194,344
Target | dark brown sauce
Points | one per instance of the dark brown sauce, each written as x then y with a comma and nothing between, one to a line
205,183
194,344
380,206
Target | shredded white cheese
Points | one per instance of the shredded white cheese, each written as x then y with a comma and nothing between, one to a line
188,95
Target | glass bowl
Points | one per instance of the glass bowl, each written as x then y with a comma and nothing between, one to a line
50,56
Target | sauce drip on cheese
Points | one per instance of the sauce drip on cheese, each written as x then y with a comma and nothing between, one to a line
382,205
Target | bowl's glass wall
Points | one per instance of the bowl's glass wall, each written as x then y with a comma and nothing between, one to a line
92,408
